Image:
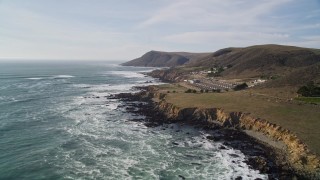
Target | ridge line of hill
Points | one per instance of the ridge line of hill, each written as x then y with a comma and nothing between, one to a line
285,64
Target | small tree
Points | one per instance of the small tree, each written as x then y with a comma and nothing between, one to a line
194,91
310,90
188,91
206,90
240,86
304,91
220,70
201,91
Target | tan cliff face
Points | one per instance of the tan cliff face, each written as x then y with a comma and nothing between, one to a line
297,152
169,75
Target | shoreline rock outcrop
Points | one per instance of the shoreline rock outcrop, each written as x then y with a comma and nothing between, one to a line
300,158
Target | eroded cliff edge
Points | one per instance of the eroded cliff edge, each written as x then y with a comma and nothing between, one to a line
297,153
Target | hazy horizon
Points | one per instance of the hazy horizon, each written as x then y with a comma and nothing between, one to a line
60,60
121,31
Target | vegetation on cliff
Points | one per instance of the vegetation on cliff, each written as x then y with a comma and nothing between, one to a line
310,90
240,86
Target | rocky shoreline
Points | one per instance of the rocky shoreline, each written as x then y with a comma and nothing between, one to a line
260,155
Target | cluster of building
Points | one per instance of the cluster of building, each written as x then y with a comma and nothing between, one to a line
202,81
211,71
256,82
211,85
193,81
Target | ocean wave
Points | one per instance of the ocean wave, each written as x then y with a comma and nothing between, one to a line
50,77
35,78
123,149
106,89
102,90
113,106
115,147
151,69
62,77
126,74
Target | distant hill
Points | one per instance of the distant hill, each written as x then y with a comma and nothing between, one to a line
165,59
285,65
268,60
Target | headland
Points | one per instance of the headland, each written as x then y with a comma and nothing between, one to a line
257,98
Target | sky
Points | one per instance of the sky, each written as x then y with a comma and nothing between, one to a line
126,29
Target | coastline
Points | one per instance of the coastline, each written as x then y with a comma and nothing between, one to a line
267,150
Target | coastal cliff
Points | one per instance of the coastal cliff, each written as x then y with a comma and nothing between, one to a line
167,75
297,153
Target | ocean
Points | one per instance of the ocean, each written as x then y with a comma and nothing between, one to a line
58,122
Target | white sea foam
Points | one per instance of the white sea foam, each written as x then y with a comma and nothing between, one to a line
62,77
35,78
126,74
121,149
150,70
105,87
113,106
52,77
82,85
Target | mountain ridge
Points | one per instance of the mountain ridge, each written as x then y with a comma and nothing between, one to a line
284,64
260,59
164,59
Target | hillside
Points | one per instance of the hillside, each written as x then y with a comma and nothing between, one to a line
298,77
164,59
262,60
285,65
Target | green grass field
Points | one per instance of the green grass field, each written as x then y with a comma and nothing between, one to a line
302,119
315,100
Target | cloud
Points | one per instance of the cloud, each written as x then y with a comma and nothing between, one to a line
214,24
26,33
306,41
214,40
100,29
306,27
30,26
314,14
212,12
214,36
